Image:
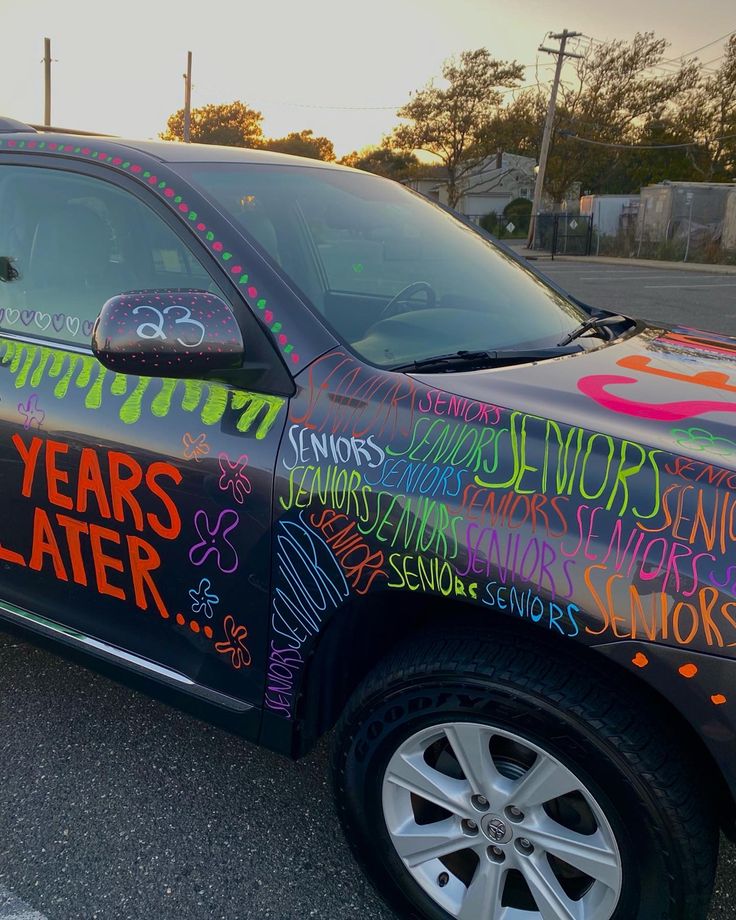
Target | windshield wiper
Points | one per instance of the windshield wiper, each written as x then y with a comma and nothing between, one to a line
595,322
474,360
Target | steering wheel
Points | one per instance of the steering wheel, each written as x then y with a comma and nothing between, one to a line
416,287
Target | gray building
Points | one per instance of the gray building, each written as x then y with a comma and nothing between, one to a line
683,210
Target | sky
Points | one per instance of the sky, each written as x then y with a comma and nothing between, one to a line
336,66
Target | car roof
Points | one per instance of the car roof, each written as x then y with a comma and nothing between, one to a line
166,151
177,152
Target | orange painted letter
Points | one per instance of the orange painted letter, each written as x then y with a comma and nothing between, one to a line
143,560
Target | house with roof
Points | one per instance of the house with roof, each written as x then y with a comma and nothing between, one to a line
487,186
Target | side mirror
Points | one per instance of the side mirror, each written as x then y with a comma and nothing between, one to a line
172,333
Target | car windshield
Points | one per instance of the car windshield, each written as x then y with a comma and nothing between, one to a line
395,276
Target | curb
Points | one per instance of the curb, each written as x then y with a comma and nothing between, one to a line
708,268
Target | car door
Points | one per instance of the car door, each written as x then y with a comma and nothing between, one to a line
136,510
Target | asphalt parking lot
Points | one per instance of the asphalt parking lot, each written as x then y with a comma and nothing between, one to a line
706,300
116,807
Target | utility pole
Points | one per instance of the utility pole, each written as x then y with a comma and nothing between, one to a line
188,98
562,37
47,82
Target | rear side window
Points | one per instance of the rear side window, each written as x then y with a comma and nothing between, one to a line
76,241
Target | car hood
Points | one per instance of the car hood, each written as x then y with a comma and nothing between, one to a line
672,388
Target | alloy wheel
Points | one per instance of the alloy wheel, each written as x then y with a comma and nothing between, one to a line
493,827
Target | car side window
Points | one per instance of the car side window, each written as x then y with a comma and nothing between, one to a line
75,241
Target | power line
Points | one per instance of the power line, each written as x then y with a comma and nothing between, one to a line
373,108
713,61
589,140
695,50
674,61
347,108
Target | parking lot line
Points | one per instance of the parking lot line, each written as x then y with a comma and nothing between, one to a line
615,278
685,284
12,908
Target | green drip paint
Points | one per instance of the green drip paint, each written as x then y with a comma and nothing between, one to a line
119,385
86,371
130,411
21,360
19,352
57,362
93,399
60,390
253,403
30,357
37,375
162,401
214,408
192,395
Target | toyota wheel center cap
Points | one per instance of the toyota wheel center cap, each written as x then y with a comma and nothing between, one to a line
496,829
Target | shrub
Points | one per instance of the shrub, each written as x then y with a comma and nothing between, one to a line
519,212
490,223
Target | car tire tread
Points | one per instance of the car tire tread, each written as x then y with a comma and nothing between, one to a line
603,703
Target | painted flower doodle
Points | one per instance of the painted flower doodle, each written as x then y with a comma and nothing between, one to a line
702,440
203,600
232,476
33,414
213,540
194,448
234,644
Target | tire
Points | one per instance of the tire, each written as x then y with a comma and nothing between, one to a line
520,741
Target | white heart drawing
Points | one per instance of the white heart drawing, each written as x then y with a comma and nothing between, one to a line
43,320
12,315
72,324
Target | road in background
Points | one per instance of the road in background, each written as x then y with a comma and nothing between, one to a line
662,295
116,807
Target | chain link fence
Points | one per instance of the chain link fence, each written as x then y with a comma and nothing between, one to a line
677,221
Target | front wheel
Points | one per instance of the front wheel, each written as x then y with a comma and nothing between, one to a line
495,781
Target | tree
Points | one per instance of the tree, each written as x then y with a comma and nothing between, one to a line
710,117
654,158
617,98
302,144
383,161
449,121
232,124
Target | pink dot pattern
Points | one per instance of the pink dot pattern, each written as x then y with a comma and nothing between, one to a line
171,197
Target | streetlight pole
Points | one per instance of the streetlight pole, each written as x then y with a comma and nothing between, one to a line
562,37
